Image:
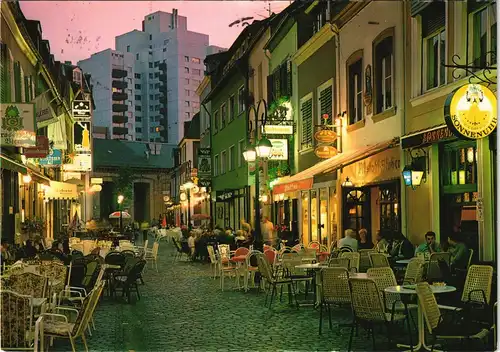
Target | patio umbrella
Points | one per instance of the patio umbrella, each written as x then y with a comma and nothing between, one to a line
116,215
200,217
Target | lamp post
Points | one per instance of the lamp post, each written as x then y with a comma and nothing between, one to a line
120,201
188,186
262,151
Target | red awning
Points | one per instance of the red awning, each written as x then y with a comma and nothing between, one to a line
304,179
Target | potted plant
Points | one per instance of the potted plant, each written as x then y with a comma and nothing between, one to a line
34,227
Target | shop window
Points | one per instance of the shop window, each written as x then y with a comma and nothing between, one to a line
314,216
434,45
383,62
355,87
388,200
357,209
306,124
459,166
323,216
484,41
325,102
333,214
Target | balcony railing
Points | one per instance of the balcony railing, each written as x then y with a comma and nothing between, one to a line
120,119
119,84
119,96
118,73
120,131
120,108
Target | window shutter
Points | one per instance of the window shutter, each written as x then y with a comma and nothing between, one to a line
283,80
17,82
276,79
306,112
27,87
22,84
270,89
325,103
4,79
289,78
433,18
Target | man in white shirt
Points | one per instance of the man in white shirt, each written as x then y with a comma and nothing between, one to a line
349,240
267,229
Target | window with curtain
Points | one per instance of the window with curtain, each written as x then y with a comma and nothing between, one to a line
384,71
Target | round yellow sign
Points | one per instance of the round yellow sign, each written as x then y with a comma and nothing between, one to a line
471,111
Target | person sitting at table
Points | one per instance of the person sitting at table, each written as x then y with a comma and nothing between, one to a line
349,240
458,251
364,242
401,247
430,246
191,243
57,251
240,237
382,242
6,255
29,250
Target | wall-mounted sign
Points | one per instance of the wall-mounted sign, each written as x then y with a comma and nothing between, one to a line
325,136
204,163
61,190
81,109
427,137
325,151
471,111
222,196
18,125
79,162
43,111
380,167
277,129
96,180
205,182
367,96
81,135
279,150
71,176
293,186
53,159
41,150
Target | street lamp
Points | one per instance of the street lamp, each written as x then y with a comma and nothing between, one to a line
120,201
262,151
188,186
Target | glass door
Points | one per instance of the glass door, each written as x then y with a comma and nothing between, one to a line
357,209
314,216
305,216
323,216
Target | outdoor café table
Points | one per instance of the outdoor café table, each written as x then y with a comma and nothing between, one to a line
410,290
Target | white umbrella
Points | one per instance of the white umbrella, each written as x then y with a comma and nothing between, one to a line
116,215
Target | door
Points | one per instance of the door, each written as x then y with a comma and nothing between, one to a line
356,209
323,216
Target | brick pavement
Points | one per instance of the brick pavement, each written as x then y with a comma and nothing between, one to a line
183,309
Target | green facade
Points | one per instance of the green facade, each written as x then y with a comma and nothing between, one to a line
229,135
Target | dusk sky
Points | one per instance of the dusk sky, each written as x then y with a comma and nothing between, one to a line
76,29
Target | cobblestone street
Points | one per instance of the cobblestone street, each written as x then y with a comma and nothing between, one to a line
183,309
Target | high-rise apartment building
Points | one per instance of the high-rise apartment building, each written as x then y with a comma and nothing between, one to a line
169,68
113,90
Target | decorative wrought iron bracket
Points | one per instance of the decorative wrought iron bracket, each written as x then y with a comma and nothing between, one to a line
477,74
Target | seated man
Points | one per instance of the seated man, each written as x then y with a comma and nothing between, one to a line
401,247
349,240
430,246
459,252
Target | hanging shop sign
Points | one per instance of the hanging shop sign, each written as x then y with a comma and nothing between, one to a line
277,129
325,151
471,111
44,113
325,136
222,196
41,150
96,180
81,109
61,190
53,159
18,125
279,150
79,162
204,163
81,136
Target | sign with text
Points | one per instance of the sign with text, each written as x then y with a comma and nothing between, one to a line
302,185
61,190
41,150
431,136
277,129
79,162
81,109
279,150
43,111
222,196
81,136
471,111
54,159
204,163
18,125
383,166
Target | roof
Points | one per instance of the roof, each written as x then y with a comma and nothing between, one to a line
192,128
120,153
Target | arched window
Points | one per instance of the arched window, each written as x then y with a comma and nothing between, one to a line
383,65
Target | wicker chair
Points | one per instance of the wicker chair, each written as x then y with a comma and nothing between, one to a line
17,323
364,259
342,262
353,260
437,326
266,272
29,284
56,272
334,290
414,271
434,272
378,260
369,309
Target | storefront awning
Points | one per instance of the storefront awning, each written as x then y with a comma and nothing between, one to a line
9,164
304,179
426,136
39,178
61,190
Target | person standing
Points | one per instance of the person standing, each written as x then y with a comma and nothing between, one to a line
267,229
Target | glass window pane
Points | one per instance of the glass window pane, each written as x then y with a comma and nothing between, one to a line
305,217
314,217
442,57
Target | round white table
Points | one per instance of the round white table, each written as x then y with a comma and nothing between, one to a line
410,290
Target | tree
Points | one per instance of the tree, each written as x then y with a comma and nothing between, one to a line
124,185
